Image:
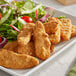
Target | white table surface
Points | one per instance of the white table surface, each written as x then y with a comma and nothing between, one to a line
60,65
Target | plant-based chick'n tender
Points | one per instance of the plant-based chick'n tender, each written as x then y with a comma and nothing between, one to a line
55,19
24,38
25,34
42,43
28,49
11,46
53,29
66,28
52,25
13,60
73,32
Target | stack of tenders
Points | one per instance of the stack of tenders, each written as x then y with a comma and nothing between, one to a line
36,41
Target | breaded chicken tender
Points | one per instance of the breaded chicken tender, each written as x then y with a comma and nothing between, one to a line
11,46
9,59
73,32
42,43
53,29
28,49
55,37
25,34
66,29
55,19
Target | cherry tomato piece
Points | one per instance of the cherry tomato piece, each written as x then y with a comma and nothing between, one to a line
0,15
27,19
0,39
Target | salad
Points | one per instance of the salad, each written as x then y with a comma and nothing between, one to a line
15,14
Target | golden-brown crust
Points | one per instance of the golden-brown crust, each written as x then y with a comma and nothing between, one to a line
42,43
52,27
28,49
54,19
55,37
65,29
24,38
73,32
9,59
25,34
11,46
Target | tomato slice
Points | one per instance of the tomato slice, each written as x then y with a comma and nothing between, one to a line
0,15
0,39
27,19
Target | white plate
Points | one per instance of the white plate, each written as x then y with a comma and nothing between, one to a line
59,48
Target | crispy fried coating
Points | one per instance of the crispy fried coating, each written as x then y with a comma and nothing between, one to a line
28,49
24,37
53,29
66,29
9,59
55,19
55,37
11,46
52,48
42,43
25,34
73,32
